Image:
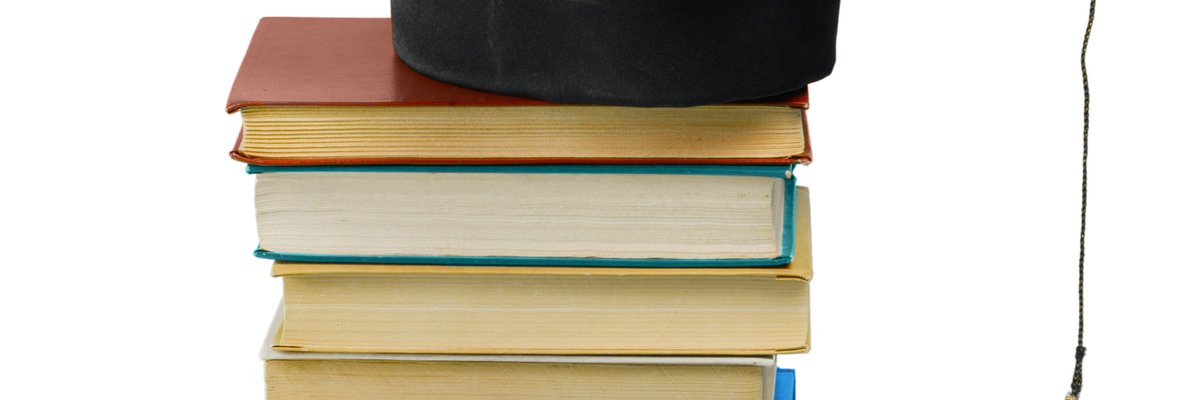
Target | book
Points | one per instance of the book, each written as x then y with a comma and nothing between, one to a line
299,375
574,215
424,309
315,91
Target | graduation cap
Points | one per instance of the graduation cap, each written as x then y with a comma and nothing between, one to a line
620,52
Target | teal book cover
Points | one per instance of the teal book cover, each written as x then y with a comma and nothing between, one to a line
781,172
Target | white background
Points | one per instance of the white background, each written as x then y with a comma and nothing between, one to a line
945,197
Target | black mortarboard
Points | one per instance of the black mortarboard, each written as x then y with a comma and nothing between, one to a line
620,52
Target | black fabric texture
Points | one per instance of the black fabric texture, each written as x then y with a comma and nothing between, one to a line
620,52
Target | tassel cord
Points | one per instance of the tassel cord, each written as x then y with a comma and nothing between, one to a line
1080,350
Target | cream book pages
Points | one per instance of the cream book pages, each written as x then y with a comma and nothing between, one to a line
296,375
603,214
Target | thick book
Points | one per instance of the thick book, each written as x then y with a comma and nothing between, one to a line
316,91
368,376
571,215
428,309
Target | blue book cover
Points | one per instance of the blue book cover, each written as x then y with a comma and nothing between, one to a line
785,384
783,173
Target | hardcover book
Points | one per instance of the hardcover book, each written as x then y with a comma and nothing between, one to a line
573,215
315,91
366,376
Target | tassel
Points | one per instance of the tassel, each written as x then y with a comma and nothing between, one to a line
1072,396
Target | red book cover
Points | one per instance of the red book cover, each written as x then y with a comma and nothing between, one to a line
350,61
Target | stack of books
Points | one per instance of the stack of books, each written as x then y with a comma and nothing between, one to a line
439,242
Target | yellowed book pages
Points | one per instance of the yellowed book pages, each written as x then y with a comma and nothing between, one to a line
538,132
301,375
536,314
368,380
